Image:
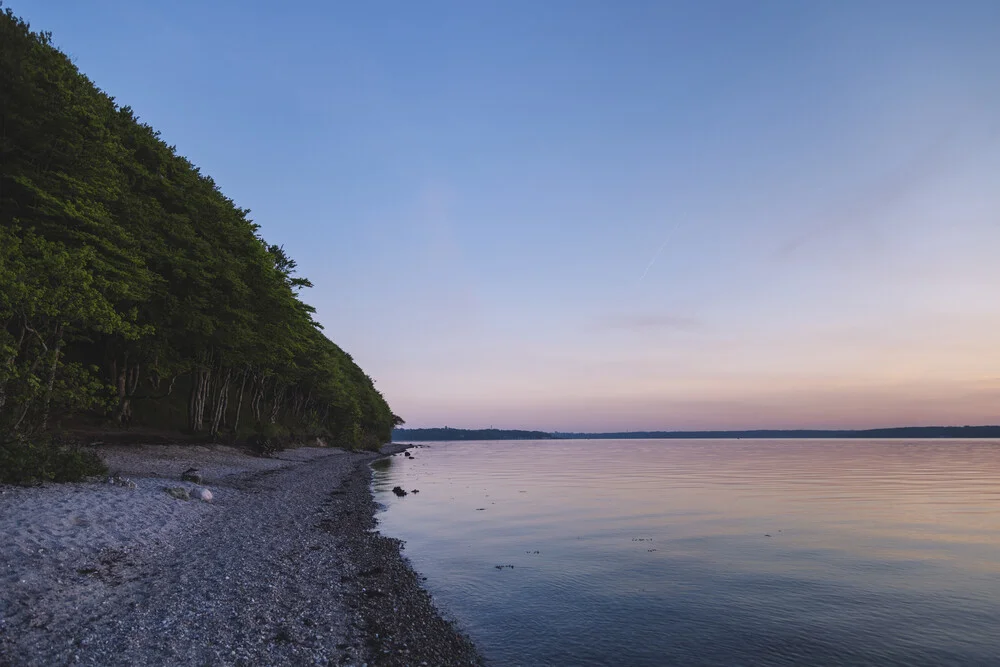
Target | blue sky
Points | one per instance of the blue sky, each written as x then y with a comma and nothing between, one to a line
605,215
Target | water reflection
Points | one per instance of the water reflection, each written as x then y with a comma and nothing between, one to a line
382,465
709,552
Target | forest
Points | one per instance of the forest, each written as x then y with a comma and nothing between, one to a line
135,295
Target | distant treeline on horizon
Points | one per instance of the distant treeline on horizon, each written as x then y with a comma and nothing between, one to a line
427,434
467,434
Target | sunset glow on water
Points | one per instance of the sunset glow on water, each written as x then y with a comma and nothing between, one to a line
708,552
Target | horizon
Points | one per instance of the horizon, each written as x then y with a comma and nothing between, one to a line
585,216
405,427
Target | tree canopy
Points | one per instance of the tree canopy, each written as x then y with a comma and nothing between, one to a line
132,290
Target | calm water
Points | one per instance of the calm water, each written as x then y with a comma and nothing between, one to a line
708,552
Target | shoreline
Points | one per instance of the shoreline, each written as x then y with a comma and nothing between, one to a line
282,567
399,623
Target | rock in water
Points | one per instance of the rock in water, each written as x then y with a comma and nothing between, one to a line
398,490
191,475
178,492
202,494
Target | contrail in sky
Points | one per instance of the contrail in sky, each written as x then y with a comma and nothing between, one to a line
662,246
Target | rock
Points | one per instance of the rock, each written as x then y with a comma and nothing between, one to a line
191,475
178,492
118,480
398,490
415,491
202,494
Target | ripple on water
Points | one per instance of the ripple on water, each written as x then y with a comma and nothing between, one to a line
709,552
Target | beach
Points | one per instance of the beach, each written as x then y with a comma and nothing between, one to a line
281,566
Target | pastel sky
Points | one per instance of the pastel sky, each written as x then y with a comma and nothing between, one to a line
576,215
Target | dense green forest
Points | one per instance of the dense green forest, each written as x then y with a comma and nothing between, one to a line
133,293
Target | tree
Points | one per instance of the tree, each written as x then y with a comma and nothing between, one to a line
134,290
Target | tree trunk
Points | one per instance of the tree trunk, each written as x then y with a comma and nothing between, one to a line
126,378
31,371
9,368
128,384
53,367
258,396
200,382
221,401
203,397
239,402
276,405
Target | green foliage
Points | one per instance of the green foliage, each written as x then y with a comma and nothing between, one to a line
133,289
270,439
49,300
46,460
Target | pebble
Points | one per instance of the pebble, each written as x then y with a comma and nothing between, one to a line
239,585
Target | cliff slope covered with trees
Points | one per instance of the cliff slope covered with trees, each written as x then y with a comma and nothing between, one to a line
134,293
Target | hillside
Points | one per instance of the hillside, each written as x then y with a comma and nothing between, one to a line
134,293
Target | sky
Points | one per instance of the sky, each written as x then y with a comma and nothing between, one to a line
583,216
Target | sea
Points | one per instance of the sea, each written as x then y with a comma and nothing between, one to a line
707,552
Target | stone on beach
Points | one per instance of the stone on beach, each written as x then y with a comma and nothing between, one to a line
202,494
155,579
192,475
399,491
118,480
178,492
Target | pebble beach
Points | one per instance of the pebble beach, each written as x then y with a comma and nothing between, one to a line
281,565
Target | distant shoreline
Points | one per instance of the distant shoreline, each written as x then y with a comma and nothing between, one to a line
456,434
